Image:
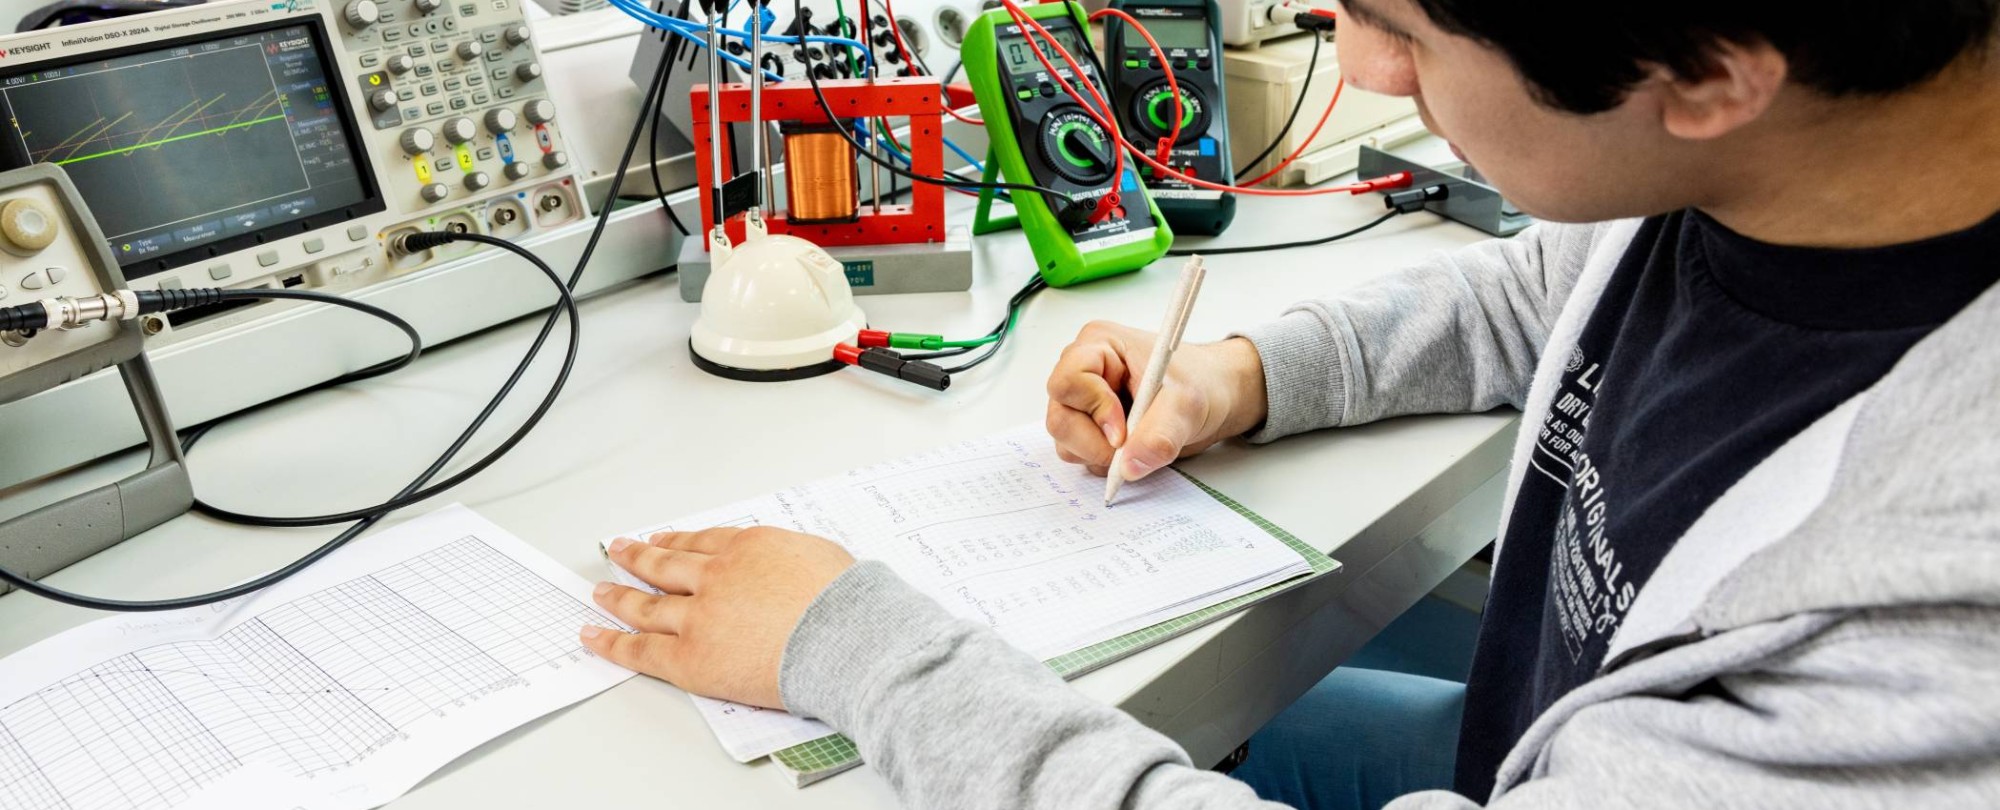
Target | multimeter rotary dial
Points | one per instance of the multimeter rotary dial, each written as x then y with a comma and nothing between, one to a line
1075,146
1153,109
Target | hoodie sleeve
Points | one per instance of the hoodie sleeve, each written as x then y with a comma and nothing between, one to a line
1893,710
1459,333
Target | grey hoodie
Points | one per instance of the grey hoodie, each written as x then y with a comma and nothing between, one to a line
1826,635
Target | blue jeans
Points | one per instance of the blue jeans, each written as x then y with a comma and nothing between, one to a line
1363,736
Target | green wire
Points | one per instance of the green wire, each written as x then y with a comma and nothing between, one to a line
840,14
972,344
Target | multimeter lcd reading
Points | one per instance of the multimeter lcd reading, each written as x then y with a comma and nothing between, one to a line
1039,134
1185,31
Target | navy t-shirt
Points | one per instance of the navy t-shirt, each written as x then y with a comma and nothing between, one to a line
1706,353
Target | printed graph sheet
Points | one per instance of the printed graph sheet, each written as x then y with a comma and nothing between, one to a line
1002,532
354,680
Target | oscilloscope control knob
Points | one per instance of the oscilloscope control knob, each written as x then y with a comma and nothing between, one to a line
400,64
477,180
459,130
501,120
540,111
515,35
518,170
361,14
27,226
470,50
382,100
556,160
528,72
417,141
435,192
428,6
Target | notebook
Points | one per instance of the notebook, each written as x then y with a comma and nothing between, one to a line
1002,532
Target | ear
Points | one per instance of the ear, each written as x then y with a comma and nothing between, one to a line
1742,82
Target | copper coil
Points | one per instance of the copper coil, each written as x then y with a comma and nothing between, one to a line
821,182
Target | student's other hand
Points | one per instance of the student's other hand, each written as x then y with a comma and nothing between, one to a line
1213,391
731,599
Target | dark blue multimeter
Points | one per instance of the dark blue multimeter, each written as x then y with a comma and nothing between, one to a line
1186,32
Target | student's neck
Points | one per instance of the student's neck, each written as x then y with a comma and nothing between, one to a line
1873,172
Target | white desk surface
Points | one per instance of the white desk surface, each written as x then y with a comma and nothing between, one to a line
641,435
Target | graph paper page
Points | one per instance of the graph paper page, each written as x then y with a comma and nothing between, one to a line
361,675
1002,532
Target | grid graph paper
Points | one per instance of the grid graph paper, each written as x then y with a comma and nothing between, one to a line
320,685
817,759
1001,532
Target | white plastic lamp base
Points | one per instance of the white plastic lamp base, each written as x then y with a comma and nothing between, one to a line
773,309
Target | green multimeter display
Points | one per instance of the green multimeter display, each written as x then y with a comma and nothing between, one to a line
1039,135
1185,31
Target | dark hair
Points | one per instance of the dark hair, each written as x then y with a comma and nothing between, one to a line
1584,55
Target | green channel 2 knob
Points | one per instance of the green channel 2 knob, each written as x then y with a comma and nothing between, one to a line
1075,146
1155,113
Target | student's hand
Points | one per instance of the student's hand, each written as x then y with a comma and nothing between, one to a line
731,599
1213,391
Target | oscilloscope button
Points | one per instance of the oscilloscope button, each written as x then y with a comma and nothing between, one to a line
539,111
459,130
417,141
435,192
382,100
361,14
399,64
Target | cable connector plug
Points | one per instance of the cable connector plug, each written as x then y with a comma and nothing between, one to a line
420,241
1306,17
1386,182
1414,200
1108,206
886,362
879,339
153,302
1076,217
24,318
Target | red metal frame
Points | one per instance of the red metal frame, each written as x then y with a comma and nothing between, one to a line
913,97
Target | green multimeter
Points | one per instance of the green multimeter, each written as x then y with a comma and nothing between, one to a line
1186,33
1038,134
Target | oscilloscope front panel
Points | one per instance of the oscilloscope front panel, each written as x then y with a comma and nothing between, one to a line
258,143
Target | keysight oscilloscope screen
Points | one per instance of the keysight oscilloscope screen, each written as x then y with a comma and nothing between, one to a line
194,148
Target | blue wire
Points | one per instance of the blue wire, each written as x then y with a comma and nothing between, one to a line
689,33
692,31
964,154
1002,195
689,30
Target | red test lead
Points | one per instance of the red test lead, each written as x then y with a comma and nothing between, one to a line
884,361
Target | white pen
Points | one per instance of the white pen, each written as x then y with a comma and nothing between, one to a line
1164,345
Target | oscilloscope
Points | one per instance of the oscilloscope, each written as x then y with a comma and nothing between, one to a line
261,143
